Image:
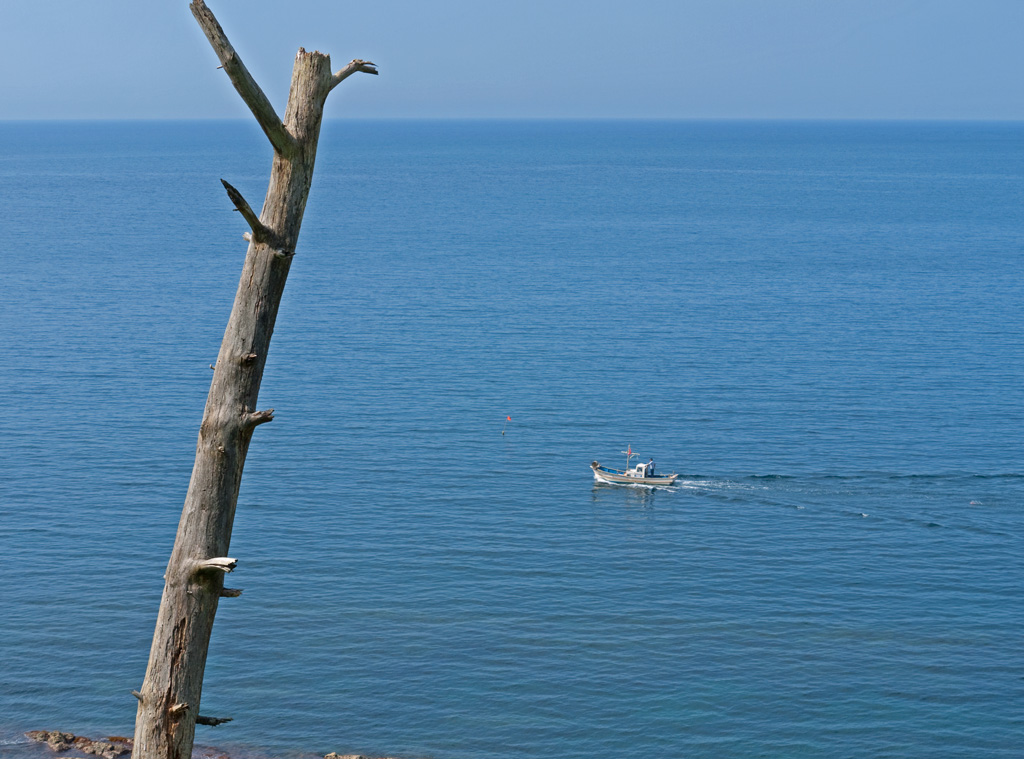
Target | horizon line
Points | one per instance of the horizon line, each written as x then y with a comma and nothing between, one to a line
676,119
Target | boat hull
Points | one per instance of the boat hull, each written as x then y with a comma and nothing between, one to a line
620,477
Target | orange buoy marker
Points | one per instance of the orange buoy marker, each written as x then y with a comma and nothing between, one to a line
507,420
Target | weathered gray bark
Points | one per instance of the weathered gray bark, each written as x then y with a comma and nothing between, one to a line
194,582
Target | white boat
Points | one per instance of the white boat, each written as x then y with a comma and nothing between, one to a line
640,474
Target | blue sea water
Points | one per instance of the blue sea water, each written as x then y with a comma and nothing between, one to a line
819,325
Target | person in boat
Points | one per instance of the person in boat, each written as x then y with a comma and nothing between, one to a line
650,468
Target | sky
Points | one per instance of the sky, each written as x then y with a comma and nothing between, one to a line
670,59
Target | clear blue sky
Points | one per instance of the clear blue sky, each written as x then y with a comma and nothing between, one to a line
946,59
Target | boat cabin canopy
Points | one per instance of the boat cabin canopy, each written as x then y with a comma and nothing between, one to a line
642,470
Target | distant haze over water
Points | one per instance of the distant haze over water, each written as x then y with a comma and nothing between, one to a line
818,325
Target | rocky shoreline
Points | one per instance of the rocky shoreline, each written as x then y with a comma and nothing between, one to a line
111,748
71,746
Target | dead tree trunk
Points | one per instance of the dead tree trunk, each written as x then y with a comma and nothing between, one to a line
169,699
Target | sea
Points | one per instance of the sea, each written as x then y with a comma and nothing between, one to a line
818,325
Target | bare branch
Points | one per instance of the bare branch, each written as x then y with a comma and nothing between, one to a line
355,65
259,232
240,77
137,695
231,592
